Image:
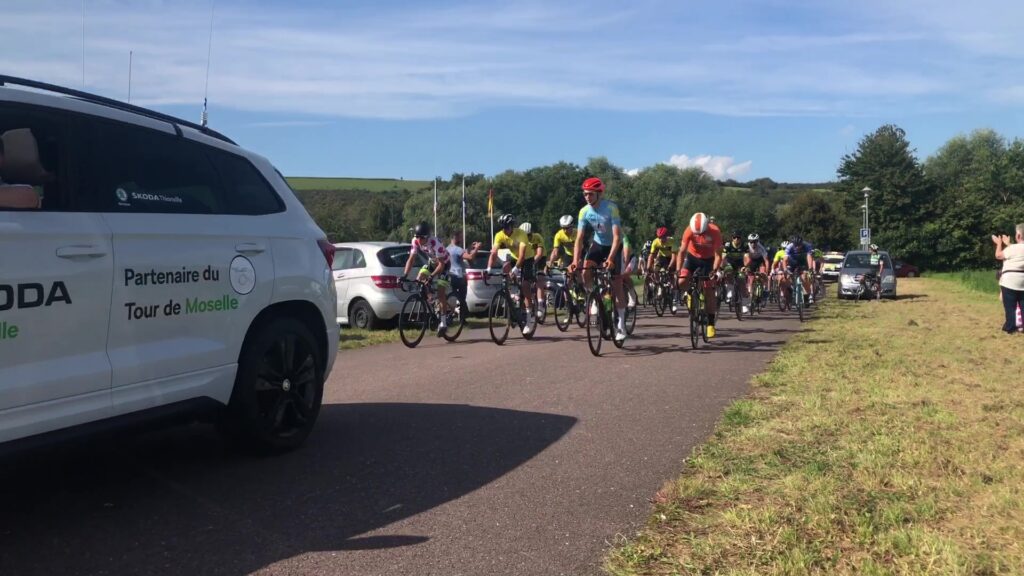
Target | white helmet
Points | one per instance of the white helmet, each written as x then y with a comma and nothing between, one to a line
698,223
565,221
526,227
753,237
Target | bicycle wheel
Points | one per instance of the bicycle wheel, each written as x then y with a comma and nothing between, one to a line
413,320
521,316
456,318
579,308
798,297
737,299
562,309
693,311
702,314
659,300
542,309
499,317
631,312
594,323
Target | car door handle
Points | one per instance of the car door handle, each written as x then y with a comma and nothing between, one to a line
249,248
85,251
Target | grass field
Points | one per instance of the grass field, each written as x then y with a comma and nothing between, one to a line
886,438
371,184
980,280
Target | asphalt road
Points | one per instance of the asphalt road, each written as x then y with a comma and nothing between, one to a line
465,458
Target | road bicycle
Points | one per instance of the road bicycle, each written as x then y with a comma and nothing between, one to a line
869,285
601,313
507,309
663,290
566,299
739,291
697,306
796,293
422,310
758,295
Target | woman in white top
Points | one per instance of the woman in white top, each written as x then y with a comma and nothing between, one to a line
1011,278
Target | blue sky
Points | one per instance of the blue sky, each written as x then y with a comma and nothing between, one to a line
396,88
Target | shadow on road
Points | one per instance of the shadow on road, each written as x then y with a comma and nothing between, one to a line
179,502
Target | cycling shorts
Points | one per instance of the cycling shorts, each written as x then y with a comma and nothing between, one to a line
529,269
598,254
442,279
694,265
664,261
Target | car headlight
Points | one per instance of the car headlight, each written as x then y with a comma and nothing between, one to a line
846,279
888,279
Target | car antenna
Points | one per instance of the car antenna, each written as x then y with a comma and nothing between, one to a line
206,90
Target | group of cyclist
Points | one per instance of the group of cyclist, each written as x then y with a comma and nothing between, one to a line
596,239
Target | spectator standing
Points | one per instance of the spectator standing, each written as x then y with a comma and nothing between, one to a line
1011,278
459,257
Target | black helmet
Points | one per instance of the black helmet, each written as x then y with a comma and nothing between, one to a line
737,234
506,221
796,239
422,229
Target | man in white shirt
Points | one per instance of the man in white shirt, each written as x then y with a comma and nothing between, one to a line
459,257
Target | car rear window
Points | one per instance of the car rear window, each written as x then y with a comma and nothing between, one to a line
397,256
480,261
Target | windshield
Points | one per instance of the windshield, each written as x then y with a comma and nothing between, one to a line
863,260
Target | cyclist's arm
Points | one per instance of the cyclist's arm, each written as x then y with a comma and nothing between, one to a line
495,246
616,241
577,248
408,263
522,252
439,269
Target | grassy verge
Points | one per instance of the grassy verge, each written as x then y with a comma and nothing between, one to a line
353,338
887,438
979,280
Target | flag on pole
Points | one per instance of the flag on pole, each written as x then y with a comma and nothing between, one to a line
490,202
463,211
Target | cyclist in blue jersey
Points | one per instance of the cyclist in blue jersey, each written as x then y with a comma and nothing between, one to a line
798,262
602,217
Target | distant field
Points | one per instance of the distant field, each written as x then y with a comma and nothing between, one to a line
979,280
371,184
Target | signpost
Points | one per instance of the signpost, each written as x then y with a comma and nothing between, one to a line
865,236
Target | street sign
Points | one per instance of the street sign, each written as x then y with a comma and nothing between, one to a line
865,235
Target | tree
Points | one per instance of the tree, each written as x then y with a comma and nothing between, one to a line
811,216
900,199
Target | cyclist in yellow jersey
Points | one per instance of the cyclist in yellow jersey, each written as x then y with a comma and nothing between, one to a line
563,243
521,258
537,249
663,248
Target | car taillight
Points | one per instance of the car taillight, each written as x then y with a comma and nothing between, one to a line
328,250
385,281
474,275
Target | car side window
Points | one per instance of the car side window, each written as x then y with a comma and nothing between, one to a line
358,260
248,193
135,169
342,259
35,150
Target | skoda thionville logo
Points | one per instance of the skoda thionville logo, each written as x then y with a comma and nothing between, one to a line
242,274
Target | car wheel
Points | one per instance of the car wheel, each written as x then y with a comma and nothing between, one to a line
278,389
362,316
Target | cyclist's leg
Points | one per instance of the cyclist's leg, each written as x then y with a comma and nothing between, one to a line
709,290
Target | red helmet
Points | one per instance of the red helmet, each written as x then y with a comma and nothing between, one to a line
593,184
661,232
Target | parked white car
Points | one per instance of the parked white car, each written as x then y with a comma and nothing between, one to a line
478,292
366,278
151,267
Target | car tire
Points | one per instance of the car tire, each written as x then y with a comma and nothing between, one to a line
278,388
362,316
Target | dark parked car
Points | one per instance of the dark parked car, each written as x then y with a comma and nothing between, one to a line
905,270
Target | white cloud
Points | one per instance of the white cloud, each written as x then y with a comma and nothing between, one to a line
719,167
360,59
848,130
632,172
1013,95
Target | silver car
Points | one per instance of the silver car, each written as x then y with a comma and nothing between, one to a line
478,292
366,276
856,263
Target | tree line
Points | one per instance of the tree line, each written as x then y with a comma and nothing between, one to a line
937,213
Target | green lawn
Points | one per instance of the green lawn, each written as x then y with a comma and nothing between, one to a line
980,280
886,438
371,184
